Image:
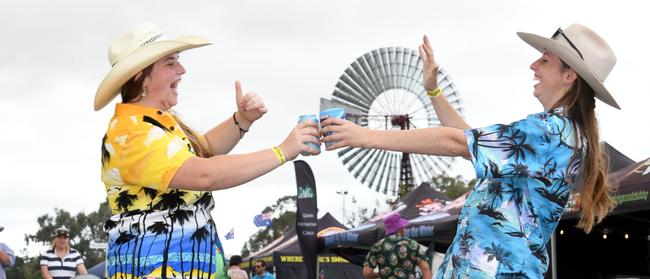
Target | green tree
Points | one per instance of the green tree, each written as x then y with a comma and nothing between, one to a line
452,187
84,229
284,211
362,214
25,268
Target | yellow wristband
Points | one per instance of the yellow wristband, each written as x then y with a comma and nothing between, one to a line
434,93
279,154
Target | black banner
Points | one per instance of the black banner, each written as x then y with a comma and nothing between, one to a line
306,219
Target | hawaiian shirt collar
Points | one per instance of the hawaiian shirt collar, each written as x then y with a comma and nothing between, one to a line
122,109
558,110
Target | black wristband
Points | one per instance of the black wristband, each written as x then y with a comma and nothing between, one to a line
241,130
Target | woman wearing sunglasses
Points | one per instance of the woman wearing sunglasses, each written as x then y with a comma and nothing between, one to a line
526,170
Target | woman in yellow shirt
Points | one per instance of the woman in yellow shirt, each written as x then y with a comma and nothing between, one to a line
159,173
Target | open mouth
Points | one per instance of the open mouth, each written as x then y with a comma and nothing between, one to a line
537,78
174,85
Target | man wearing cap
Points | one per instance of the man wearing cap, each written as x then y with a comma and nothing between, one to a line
61,261
7,258
395,255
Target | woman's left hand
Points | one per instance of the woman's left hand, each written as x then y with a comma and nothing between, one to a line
250,106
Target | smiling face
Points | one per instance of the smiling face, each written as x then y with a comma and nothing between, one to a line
162,84
554,79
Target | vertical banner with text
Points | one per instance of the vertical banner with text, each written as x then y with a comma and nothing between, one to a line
306,219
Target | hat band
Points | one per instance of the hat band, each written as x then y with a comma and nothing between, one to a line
147,41
152,39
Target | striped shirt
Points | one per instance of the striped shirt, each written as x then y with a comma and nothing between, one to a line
61,269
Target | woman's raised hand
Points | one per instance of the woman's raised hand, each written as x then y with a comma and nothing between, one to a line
430,68
294,144
250,106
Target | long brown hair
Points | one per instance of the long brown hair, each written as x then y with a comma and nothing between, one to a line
595,189
132,92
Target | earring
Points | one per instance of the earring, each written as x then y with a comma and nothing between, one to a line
144,92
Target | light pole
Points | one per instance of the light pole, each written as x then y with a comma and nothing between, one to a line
343,193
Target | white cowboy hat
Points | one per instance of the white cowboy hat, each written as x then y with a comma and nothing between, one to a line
135,50
584,51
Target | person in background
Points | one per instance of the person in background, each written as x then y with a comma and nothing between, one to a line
395,256
7,258
62,261
526,170
158,173
234,271
260,271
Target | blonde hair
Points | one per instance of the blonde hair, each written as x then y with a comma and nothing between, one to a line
595,190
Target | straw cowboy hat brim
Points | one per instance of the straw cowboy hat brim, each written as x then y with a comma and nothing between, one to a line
598,60
139,59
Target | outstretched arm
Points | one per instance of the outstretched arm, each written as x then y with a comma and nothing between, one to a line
442,141
448,116
225,171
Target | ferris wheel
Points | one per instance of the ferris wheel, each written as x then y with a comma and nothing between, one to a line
383,90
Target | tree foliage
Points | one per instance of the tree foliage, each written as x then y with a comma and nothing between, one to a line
362,214
452,187
284,212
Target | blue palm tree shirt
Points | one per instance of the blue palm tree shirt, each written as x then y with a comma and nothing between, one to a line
523,174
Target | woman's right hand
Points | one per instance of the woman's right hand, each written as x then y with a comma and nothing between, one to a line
294,144
429,67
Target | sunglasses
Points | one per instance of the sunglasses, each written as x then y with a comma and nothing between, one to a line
258,266
560,32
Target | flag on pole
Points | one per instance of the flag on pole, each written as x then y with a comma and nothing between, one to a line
263,220
230,234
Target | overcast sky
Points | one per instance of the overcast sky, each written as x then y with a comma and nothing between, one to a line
53,56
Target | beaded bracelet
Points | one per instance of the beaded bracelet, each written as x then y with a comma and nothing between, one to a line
434,93
279,155
241,130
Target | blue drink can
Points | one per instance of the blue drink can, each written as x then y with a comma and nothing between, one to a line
332,113
312,118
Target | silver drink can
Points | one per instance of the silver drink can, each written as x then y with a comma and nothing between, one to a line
312,118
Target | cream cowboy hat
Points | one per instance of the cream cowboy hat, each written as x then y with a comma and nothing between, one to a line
584,51
135,50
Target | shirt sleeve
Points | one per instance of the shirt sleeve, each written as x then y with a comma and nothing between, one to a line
371,258
10,254
151,157
43,259
418,252
516,150
79,260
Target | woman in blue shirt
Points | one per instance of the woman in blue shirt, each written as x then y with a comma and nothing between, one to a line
526,170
